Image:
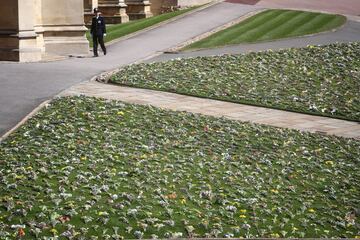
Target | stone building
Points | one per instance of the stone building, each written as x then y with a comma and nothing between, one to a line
118,11
31,30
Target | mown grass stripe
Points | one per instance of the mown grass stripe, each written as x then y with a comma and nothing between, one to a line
313,23
333,22
237,30
307,17
297,20
257,33
322,23
270,25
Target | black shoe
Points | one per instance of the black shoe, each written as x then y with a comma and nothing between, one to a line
105,52
96,55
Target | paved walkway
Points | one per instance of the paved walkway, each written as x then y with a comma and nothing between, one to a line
302,122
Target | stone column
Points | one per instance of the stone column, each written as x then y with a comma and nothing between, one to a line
89,5
61,29
114,11
17,34
95,3
138,9
157,6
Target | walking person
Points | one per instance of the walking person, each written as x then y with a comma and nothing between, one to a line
98,32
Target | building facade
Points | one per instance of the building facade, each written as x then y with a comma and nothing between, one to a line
31,30
34,30
118,11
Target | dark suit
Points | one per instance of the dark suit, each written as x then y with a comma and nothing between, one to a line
97,31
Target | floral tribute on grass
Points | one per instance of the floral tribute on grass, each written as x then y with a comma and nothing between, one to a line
86,168
322,80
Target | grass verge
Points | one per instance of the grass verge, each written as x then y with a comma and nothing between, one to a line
271,25
119,30
321,80
133,171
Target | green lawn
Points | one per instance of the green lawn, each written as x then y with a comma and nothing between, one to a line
85,168
120,30
270,25
321,80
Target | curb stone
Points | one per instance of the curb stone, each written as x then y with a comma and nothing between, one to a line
25,119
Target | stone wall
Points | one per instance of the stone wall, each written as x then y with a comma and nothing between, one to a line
161,6
17,34
33,29
62,27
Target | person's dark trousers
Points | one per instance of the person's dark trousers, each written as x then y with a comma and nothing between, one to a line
98,40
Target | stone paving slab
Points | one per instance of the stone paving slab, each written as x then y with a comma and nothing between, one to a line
241,112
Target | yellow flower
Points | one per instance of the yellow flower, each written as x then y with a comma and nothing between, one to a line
83,158
275,235
243,210
318,150
183,201
329,163
357,237
311,210
295,229
242,216
19,177
121,113
274,191
54,231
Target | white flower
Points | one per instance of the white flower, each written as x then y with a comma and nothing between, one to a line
138,234
231,208
17,226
